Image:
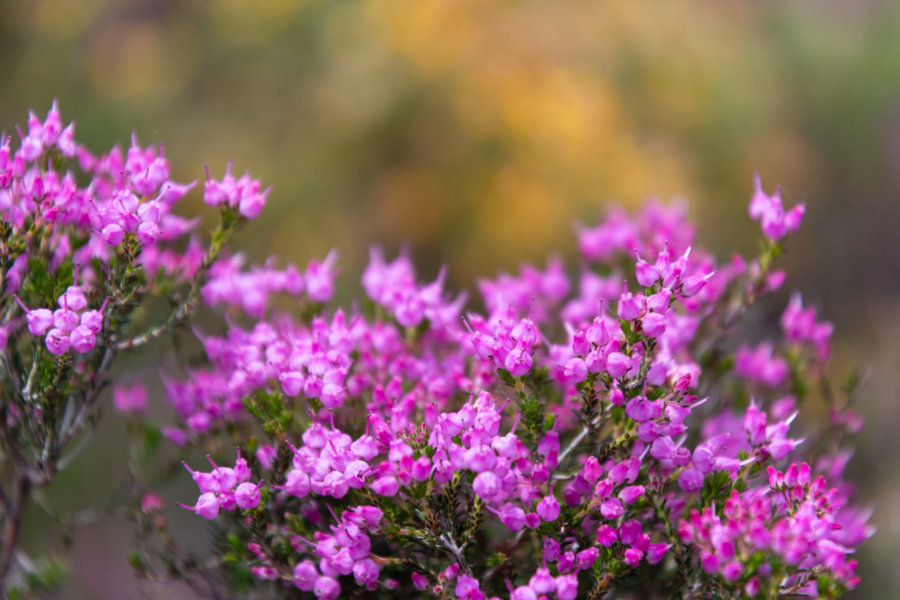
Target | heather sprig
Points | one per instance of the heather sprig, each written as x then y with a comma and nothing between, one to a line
86,244
552,445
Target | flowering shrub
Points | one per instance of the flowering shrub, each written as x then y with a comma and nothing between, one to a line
581,437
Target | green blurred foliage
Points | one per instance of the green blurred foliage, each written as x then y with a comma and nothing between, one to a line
478,131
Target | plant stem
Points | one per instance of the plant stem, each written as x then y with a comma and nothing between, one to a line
12,525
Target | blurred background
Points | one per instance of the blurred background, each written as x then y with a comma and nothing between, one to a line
476,132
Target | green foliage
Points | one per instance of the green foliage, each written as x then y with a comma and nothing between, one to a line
151,438
43,577
717,487
270,410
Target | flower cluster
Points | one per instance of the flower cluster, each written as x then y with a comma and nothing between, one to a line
588,426
224,488
243,194
229,284
794,520
70,325
88,244
769,211
575,417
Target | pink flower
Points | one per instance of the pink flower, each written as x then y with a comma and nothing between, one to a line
39,320
606,535
131,399
419,581
57,341
633,557
326,588
542,582
566,587
207,506
690,480
112,234
82,339
548,508
247,495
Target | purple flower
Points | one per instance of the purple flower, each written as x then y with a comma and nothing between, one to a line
548,508
617,364
39,320
247,495
646,274
542,582
776,223
606,535
130,399
656,552
319,278
305,575
468,588
690,480
112,234
57,341
523,592
385,486
566,587
631,493
326,588
366,571
486,484
419,581
611,509
207,506
633,557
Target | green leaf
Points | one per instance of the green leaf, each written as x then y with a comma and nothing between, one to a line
274,417
152,438
506,377
496,559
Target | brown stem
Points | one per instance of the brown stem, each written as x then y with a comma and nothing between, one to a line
11,528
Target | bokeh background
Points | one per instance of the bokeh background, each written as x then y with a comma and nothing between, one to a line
476,132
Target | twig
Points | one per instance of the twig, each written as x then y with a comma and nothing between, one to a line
585,430
455,550
26,393
12,526
219,238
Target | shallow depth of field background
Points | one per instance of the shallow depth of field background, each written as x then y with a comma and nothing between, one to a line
476,133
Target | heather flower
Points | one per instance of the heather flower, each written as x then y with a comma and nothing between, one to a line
207,506
548,509
57,341
770,212
247,496
566,587
326,588
130,399
39,321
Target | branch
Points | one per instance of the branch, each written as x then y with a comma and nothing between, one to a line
12,526
220,236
